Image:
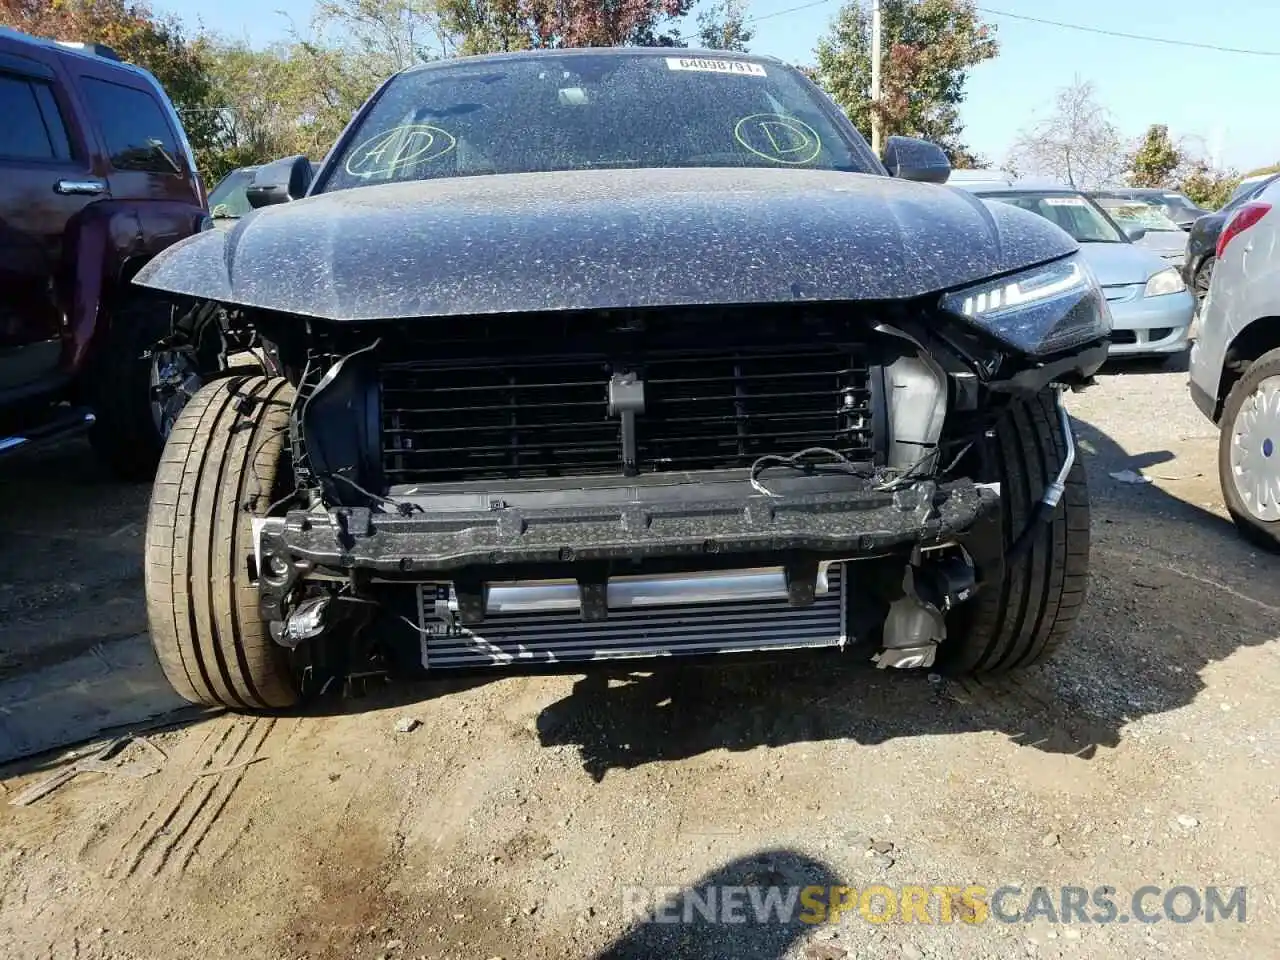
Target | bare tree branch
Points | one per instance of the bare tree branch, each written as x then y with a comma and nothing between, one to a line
1077,144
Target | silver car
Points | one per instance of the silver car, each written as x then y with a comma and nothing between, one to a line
1235,365
1151,308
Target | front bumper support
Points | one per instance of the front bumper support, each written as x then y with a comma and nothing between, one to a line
825,516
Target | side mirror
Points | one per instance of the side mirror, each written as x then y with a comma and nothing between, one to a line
279,182
1133,232
910,159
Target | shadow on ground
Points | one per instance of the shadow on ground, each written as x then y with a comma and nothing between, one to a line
763,935
1173,590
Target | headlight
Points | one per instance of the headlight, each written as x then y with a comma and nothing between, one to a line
1163,283
1039,311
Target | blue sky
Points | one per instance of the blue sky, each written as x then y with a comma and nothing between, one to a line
1224,103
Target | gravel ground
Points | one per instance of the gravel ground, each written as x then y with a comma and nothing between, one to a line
509,821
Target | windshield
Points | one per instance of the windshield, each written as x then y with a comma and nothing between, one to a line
228,197
1140,214
584,111
1175,205
1072,212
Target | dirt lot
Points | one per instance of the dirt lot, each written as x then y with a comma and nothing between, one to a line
508,823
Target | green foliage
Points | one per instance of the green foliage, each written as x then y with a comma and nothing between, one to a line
724,26
288,99
485,26
1155,160
1207,187
928,47
390,35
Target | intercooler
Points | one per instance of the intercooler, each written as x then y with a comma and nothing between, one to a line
648,617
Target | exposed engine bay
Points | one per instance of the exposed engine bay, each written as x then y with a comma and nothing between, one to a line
540,490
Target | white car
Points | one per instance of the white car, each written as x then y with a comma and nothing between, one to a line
1235,365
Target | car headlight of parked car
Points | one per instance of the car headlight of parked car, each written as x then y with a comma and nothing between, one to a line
1165,282
1040,311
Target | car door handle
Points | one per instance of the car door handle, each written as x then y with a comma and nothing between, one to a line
80,187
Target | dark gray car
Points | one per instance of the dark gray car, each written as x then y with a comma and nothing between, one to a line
622,354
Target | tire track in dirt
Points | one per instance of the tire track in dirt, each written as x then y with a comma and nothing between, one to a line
188,801
224,785
240,822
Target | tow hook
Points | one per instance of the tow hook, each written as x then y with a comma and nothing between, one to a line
917,620
307,620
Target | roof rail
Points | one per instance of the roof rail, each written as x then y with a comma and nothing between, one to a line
97,49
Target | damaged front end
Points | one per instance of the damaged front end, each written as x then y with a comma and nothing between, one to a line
547,489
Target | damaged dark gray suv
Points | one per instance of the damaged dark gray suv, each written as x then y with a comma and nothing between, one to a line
599,354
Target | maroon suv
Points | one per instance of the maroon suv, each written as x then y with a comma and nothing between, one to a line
96,178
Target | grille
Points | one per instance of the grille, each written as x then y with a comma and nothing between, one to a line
459,418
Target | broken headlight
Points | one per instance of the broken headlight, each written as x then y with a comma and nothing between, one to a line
1040,311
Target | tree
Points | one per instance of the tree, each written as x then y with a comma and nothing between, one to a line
391,34
1206,186
605,23
1077,144
134,32
287,99
930,47
1155,160
724,26
486,26
399,33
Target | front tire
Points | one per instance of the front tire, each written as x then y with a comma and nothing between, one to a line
226,461
1249,452
1202,279
1020,617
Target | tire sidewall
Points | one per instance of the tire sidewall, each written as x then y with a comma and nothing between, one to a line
1206,270
126,434
1260,532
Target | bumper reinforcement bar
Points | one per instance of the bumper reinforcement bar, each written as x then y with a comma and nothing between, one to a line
858,522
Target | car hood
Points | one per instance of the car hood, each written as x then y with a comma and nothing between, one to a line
1115,264
1164,243
603,239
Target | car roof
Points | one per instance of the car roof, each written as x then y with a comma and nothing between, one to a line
559,53
76,49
